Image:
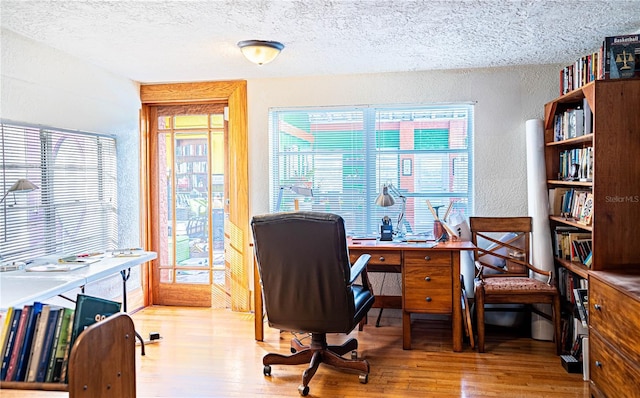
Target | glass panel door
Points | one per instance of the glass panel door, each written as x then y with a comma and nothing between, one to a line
191,211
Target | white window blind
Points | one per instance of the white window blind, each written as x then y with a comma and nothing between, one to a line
74,208
346,154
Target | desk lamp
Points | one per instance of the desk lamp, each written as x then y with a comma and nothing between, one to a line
297,189
22,185
385,199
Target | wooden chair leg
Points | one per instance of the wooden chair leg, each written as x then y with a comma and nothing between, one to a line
479,300
556,324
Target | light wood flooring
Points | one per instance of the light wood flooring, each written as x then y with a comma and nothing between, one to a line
212,353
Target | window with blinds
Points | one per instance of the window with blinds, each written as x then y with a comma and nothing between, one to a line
345,155
73,209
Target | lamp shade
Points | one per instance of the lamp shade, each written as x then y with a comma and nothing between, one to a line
22,185
260,51
385,199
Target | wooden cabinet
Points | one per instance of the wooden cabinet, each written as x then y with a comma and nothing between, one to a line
427,282
614,323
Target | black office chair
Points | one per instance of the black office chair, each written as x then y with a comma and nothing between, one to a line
309,286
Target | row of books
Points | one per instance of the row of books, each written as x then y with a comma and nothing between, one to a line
571,244
37,338
567,281
574,122
617,58
576,204
576,164
191,150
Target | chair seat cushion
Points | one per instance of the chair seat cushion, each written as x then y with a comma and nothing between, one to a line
515,285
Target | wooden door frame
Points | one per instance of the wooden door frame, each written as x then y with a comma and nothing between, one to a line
237,248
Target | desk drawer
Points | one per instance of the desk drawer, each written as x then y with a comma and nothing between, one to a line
427,288
613,374
615,317
430,257
378,257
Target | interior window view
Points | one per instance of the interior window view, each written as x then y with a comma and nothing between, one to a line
345,198
341,160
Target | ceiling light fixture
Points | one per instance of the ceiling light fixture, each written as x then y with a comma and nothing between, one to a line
259,51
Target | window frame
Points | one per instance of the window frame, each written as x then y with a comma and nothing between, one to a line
372,153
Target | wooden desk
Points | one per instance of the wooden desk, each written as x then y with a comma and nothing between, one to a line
430,281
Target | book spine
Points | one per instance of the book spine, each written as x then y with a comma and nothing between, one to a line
17,312
54,346
67,348
21,368
15,352
5,330
45,354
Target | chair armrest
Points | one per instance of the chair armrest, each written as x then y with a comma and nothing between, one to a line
359,266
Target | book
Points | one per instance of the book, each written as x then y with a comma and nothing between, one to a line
61,345
18,343
582,303
45,353
54,345
89,310
62,376
622,56
7,349
25,351
586,213
5,331
39,333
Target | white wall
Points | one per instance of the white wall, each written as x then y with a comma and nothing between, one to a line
505,99
41,85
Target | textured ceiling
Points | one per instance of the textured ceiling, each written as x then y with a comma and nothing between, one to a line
166,41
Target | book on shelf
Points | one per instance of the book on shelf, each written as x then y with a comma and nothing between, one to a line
586,214
61,352
10,341
57,329
622,56
47,343
582,303
89,310
39,333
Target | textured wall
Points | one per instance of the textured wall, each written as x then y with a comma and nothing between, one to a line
41,85
505,98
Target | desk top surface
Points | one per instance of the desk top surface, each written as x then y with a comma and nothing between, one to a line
21,287
375,244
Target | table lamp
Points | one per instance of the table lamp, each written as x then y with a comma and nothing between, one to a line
22,185
385,199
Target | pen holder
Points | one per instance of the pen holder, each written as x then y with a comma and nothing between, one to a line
439,233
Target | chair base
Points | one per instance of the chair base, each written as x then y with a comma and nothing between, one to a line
317,352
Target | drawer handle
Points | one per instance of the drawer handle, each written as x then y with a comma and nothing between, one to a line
598,364
428,299
428,279
427,258
381,258
598,307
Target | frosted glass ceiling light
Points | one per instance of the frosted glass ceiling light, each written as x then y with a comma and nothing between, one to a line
259,51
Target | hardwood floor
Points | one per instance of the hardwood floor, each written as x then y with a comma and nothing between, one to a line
212,353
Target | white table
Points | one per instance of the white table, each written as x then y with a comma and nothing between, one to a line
18,288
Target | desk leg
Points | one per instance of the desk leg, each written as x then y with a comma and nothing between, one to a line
125,277
457,306
257,303
406,330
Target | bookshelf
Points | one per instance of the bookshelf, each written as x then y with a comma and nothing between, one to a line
614,185
109,348
191,165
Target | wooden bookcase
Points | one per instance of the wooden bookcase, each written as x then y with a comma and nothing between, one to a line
101,363
615,186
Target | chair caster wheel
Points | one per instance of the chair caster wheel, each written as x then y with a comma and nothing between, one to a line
267,370
303,390
364,378
354,354
293,350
